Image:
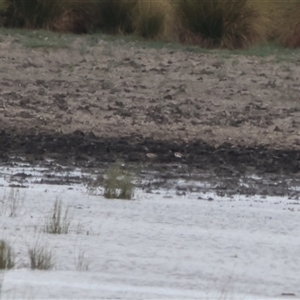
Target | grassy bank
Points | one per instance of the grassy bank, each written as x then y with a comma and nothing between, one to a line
213,24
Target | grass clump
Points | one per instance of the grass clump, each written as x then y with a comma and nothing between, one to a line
113,16
152,19
227,24
58,222
14,201
288,23
40,258
32,14
76,17
7,257
57,15
146,18
11,203
82,264
118,184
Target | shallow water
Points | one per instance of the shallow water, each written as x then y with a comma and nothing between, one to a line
179,238
179,177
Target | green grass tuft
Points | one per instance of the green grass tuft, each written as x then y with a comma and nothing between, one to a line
118,184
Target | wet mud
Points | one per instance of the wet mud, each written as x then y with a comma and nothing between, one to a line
88,105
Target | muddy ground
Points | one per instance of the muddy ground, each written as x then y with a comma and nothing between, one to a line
86,103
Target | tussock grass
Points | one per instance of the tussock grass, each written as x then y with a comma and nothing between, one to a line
114,16
270,12
33,14
57,15
118,184
58,222
288,23
230,24
75,17
145,18
7,257
152,19
40,257
227,24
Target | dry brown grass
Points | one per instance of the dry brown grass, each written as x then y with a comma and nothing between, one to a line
76,17
58,222
7,257
40,257
288,23
270,12
227,24
31,14
153,19
143,17
114,16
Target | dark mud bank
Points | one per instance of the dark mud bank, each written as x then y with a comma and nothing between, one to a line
87,149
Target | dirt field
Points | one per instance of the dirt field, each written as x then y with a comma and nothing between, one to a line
104,99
